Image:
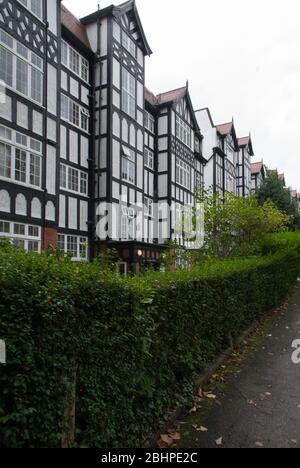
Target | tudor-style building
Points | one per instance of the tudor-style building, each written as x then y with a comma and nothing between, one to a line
220,148
258,174
29,121
80,134
180,165
243,168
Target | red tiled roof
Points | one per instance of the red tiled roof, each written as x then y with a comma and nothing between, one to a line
224,129
256,168
74,26
170,96
244,141
150,97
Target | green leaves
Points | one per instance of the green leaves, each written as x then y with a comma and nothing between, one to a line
136,343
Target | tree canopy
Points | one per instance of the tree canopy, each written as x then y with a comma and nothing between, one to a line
273,189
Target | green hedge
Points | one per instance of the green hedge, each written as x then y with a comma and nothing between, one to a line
134,344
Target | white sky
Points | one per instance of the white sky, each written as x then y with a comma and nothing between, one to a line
241,58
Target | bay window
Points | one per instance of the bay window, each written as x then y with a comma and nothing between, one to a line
23,236
20,68
20,158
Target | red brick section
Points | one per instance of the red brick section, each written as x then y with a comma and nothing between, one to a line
49,238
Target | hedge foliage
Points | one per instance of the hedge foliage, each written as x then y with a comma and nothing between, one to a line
134,344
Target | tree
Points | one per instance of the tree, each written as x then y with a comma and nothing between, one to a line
273,189
237,226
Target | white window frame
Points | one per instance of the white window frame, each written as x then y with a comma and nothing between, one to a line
80,242
183,132
148,207
30,148
149,122
65,179
183,174
149,158
32,64
128,224
68,106
128,165
83,64
25,237
128,93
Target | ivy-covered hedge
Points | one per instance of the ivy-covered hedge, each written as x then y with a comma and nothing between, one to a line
131,346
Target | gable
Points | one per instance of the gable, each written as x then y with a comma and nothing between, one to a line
182,108
129,18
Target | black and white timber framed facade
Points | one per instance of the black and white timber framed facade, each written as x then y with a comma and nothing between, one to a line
79,131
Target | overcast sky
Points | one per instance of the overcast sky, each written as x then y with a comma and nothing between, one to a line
242,60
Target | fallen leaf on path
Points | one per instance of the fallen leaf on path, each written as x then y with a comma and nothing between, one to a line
200,393
219,441
200,428
175,436
193,410
211,396
251,402
294,441
259,445
268,394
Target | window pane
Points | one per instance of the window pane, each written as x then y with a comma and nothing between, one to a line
20,244
74,61
6,66
20,166
35,170
64,107
5,160
63,176
61,242
4,227
36,7
83,183
22,76
73,179
33,246
36,85
72,243
19,229
33,231
84,69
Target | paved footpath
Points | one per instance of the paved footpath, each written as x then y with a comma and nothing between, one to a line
260,406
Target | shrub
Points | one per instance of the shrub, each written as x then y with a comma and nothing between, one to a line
132,346
235,226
